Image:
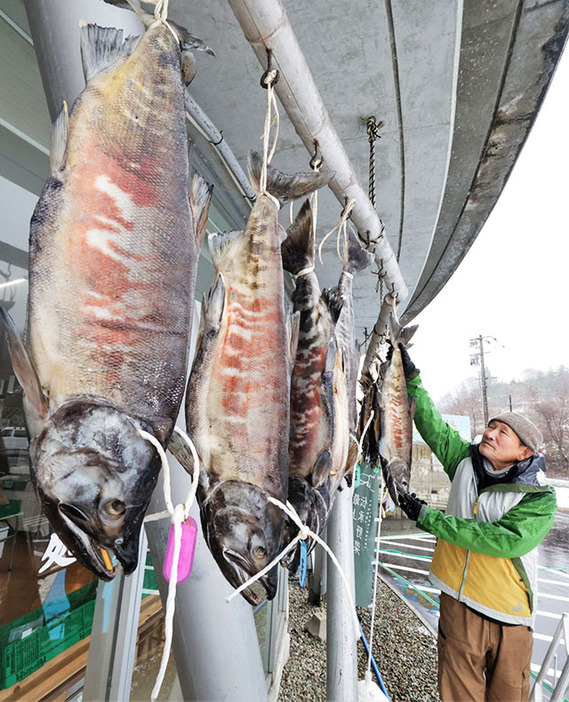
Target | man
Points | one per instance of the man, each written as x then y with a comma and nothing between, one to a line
485,560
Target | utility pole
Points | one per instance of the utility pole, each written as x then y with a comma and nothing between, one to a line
479,341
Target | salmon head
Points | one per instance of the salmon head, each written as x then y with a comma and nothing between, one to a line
243,531
94,476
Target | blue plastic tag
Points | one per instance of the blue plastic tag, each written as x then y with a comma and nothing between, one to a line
303,564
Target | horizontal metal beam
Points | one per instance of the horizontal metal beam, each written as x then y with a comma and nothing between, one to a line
266,26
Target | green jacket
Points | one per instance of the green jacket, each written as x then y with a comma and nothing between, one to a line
486,551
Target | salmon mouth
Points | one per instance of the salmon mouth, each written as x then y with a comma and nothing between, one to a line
240,574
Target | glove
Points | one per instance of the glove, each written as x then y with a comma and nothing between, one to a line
409,368
411,505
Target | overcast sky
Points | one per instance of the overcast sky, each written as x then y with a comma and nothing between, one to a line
513,284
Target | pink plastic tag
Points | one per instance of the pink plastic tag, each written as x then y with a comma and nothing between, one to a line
187,550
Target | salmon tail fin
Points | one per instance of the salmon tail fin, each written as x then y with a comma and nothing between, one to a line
200,200
355,258
297,249
221,245
285,187
101,47
399,334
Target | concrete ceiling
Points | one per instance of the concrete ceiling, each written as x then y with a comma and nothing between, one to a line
457,87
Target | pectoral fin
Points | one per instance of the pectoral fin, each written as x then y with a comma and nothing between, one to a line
181,452
321,469
59,142
293,325
35,402
200,199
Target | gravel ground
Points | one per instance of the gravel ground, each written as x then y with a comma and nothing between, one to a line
404,649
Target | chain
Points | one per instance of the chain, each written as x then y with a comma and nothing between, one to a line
372,129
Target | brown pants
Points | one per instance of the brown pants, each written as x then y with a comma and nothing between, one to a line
480,661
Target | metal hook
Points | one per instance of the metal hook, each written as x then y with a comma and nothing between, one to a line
316,161
265,82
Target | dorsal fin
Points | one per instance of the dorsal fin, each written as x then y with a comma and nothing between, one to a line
334,301
101,47
354,257
297,249
220,245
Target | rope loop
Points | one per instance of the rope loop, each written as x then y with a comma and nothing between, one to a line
268,80
271,75
341,227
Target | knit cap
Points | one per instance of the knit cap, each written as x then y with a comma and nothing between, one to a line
527,432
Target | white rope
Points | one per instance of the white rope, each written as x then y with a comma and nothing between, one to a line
303,534
178,515
341,227
270,120
305,271
376,570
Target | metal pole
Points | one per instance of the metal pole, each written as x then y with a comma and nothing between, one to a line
54,26
215,643
341,664
265,25
483,380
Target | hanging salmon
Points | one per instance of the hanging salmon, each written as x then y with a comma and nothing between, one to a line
354,260
312,402
114,243
397,410
237,404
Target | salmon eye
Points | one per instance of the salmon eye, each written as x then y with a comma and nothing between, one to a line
114,508
259,552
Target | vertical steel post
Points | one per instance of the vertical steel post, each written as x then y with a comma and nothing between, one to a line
341,665
483,380
215,643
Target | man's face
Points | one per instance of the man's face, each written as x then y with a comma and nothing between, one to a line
501,445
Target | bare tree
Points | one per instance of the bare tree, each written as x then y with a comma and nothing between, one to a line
552,417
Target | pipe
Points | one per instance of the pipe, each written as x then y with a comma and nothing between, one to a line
266,26
341,660
201,121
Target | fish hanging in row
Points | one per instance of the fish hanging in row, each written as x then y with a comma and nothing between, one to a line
396,413
315,384
237,402
354,260
389,436
114,244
